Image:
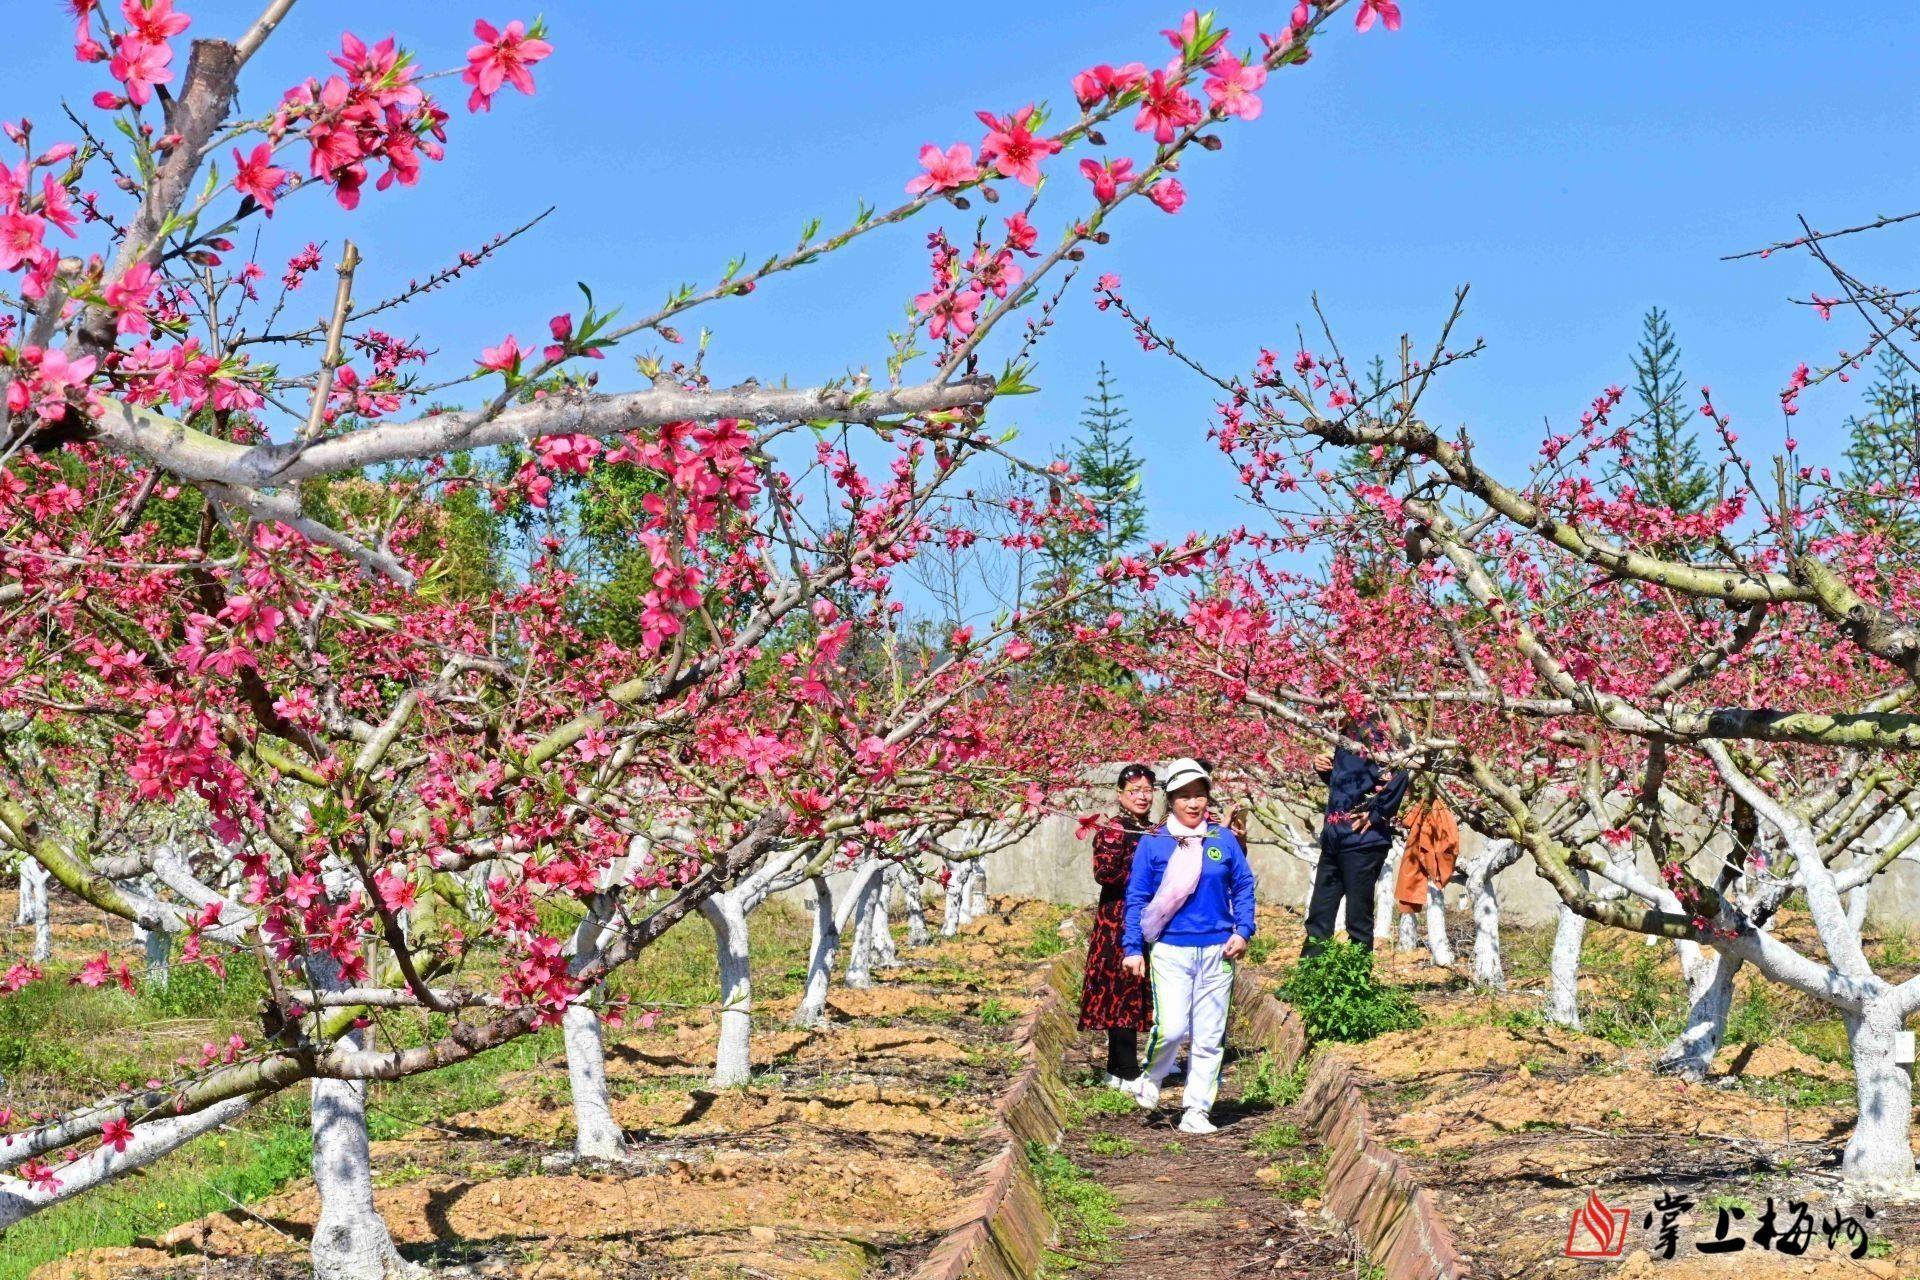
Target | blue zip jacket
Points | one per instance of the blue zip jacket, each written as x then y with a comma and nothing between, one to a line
1221,905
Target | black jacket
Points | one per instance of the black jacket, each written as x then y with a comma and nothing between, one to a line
1357,785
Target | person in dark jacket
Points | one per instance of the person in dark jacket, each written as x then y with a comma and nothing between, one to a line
1355,838
1111,999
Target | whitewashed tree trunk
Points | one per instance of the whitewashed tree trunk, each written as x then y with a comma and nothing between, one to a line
1406,934
733,1059
1880,1152
1563,974
956,898
860,949
913,889
1489,968
1709,1000
1857,907
977,904
350,1241
597,1134
826,940
1439,946
33,907
829,923
157,945
880,934
1385,903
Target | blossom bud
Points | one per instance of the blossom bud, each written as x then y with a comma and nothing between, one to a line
108,101
991,196
1097,138
1209,141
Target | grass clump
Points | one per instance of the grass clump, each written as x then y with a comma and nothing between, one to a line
1264,1084
1297,1181
1338,997
1084,1212
1100,1102
1275,1138
1640,1005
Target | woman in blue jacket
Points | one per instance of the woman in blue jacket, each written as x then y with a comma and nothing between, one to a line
1190,898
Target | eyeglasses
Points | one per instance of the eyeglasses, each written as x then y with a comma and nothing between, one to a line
1137,789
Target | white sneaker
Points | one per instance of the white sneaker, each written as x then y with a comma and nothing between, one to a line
1195,1121
1113,1081
1145,1092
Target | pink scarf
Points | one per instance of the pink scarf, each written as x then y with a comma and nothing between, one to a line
1177,884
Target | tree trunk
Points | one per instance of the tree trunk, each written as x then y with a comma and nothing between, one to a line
733,1058
1857,907
1439,946
1489,970
826,940
860,950
33,907
597,1134
977,904
1407,935
350,1242
956,895
1385,907
1563,991
1709,1000
157,944
913,891
880,936
1880,1151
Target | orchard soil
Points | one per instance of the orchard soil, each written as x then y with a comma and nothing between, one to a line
854,1145
1512,1121
845,1156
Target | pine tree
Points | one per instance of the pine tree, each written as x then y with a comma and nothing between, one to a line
1110,473
1666,468
1110,476
1883,450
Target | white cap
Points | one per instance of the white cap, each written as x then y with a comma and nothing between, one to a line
1183,771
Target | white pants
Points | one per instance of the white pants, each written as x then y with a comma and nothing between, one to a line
1190,986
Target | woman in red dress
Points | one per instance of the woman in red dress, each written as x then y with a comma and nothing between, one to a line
1111,999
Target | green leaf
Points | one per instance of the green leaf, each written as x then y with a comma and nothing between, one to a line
1013,380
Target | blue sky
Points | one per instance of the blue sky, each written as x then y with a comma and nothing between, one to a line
1573,163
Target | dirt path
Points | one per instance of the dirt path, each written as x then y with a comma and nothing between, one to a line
1152,1203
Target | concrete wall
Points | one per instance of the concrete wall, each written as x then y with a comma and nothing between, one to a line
1050,864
